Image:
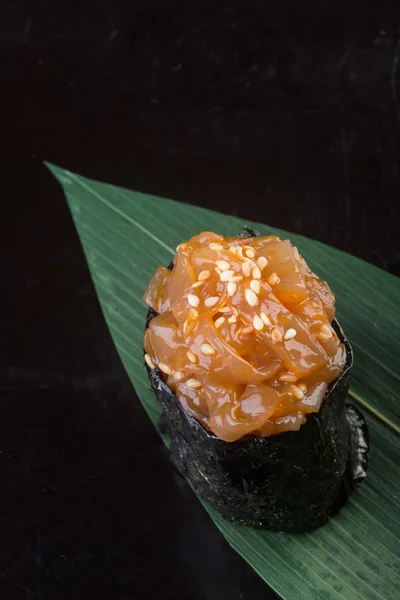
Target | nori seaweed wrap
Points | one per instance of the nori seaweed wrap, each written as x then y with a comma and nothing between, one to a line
290,481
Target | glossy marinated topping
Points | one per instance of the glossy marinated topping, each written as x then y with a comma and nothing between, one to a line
243,334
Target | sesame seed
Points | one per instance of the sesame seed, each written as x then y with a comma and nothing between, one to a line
165,368
251,297
303,387
276,335
239,251
297,392
218,271
273,279
193,313
149,361
232,319
223,265
225,309
258,323
290,333
219,322
255,285
296,253
193,383
236,278
198,284
215,246
248,329
265,318
324,336
232,287
250,253
246,269
288,378
251,263
211,301
326,330
207,349
233,249
226,275
190,324
235,310
256,273
262,262
178,375
192,357
177,248
203,275
193,300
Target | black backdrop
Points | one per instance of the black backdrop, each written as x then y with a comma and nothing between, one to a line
287,113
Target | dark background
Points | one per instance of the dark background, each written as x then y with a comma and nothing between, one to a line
284,112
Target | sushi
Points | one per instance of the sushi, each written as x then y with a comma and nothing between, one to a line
252,371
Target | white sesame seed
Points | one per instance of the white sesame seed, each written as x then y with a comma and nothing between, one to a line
232,287
218,271
273,279
262,262
198,284
288,378
255,286
326,330
251,263
223,265
250,253
265,318
193,313
190,324
235,310
225,309
211,301
256,273
203,275
303,387
149,361
219,322
246,269
258,323
165,368
251,297
325,333
207,349
239,251
276,335
193,300
236,278
177,248
297,392
248,329
193,383
192,357
215,246
178,375
324,336
226,275
233,249
232,319
290,333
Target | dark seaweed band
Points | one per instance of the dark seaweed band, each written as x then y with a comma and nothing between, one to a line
293,481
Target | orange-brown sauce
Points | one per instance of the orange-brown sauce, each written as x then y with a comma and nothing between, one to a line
243,336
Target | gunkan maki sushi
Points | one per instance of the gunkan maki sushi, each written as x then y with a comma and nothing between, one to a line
252,370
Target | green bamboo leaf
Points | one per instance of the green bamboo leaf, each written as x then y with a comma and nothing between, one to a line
125,236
